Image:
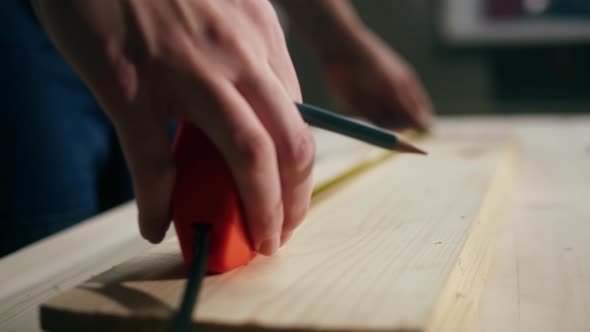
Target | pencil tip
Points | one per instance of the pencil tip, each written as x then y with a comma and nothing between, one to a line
402,146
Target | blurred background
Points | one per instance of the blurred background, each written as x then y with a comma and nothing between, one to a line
481,56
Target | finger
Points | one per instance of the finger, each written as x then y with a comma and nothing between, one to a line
416,103
424,114
393,106
282,65
387,112
210,100
143,134
285,72
229,121
404,116
293,141
264,19
146,144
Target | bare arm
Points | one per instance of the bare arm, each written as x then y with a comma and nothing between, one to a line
326,25
367,76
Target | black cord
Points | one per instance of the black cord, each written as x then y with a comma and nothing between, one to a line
183,320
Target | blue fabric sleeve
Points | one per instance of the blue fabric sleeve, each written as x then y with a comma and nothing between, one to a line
60,162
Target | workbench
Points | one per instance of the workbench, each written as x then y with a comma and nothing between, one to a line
538,281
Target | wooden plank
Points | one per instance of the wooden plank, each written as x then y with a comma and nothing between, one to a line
376,256
540,281
336,156
33,275
504,307
339,158
37,272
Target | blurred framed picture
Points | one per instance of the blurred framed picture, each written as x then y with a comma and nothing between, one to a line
505,22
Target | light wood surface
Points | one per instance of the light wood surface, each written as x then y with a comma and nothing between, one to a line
377,255
339,157
41,270
38,272
541,278
531,287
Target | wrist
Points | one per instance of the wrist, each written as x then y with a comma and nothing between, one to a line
344,45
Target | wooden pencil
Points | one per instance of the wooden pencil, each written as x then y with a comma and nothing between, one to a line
365,132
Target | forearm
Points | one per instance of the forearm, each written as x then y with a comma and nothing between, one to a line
326,25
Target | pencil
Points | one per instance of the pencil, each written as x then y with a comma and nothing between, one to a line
346,126
183,320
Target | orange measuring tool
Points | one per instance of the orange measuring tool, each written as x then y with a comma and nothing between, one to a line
205,193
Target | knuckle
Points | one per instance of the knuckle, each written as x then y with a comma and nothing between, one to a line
175,47
223,33
219,32
170,37
249,55
296,154
254,148
251,72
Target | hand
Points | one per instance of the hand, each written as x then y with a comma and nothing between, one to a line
222,65
370,80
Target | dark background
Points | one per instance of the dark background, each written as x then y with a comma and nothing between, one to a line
538,78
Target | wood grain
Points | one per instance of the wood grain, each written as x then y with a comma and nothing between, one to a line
339,157
33,274
379,255
540,281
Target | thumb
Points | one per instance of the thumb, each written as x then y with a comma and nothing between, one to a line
148,151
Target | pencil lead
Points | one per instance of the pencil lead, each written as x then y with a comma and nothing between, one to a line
403,146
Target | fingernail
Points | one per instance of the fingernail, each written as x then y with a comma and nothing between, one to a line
269,246
285,237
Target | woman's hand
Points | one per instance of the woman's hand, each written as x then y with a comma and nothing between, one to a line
365,75
224,66
369,79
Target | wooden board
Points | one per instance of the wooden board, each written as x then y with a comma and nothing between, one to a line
339,157
32,275
401,248
541,278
